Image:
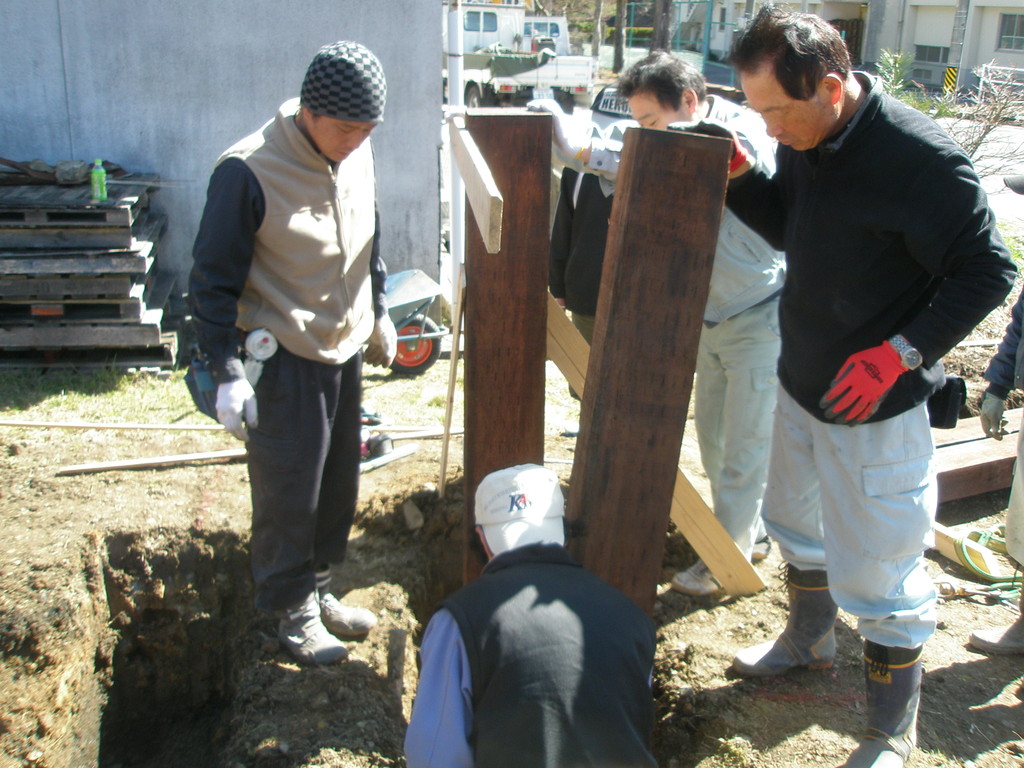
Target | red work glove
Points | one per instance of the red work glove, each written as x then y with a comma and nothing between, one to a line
862,383
708,127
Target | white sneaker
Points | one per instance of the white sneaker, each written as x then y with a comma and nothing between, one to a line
696,580
305,637
345,620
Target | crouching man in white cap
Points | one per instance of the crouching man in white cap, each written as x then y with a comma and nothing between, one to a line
538,662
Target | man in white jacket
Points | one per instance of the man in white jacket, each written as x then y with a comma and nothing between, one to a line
735,391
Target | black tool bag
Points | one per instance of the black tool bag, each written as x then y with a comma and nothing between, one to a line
944,406
201,385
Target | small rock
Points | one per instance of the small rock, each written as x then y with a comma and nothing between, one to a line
413,515
34,756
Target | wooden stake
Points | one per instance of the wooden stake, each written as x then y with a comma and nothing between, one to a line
453,367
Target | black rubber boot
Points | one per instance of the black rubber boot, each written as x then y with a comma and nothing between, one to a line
809,639
893,678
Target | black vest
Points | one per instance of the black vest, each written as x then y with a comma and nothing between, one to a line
561,664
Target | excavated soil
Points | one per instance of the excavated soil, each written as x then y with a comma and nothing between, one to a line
129,640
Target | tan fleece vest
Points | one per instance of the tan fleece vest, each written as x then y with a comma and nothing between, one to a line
310,278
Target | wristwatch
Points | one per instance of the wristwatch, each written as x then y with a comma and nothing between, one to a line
910,358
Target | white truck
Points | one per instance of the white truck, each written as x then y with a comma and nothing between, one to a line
499,67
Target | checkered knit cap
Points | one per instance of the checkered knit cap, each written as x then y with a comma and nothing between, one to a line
345,81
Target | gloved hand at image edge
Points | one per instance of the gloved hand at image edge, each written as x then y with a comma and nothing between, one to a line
720,130
236,407
567,140
992,420
862,383
383,344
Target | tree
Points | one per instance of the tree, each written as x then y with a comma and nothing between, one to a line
620,35
662,16
598,38
971,119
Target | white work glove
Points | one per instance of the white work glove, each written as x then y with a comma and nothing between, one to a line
383,344
236,407
565,137
992,421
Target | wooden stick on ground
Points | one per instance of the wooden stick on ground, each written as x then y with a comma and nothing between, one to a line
150,463
449,403
100,425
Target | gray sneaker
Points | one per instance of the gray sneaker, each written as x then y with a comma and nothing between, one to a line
345,620
696,580
762,548
303,634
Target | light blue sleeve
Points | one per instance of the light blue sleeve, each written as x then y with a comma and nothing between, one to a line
442,715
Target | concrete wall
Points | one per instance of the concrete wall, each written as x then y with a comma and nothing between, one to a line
163,86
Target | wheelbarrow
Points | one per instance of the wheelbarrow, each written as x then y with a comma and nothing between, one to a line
410,294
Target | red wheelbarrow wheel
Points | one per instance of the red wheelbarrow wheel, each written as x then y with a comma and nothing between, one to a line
416,356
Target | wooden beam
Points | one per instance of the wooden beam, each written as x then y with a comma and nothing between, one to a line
967,462
505,314
482,192
970,430
661,244
946,541
570,352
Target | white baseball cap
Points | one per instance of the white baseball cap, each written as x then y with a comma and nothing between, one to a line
520,505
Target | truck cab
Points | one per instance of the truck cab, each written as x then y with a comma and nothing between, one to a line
538,31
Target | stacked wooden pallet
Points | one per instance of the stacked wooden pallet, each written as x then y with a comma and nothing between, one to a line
78,280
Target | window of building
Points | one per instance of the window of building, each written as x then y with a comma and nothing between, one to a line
934,54
472,21
1011,31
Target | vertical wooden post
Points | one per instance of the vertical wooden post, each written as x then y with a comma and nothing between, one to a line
506,311
657,267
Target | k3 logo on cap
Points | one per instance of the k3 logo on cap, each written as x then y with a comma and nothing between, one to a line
517,502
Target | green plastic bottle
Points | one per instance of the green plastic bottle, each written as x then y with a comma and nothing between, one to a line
98,181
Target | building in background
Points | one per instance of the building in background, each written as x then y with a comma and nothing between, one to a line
940,35
165,87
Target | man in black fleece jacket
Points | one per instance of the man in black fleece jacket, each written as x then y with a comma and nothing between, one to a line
893,257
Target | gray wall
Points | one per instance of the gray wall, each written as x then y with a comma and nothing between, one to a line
163,86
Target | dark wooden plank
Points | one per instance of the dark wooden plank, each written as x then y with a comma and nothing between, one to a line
82,259
57,197
75,311
970,429
58,288
506,295
661,244
144,333
979,466
163,355
66,237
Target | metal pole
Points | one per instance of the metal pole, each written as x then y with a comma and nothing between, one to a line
956,45
456,206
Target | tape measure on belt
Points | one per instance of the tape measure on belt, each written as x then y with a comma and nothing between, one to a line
260,344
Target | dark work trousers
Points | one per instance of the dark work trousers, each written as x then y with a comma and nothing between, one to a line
304,471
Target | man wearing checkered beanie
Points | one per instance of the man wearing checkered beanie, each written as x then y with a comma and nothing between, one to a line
287,297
